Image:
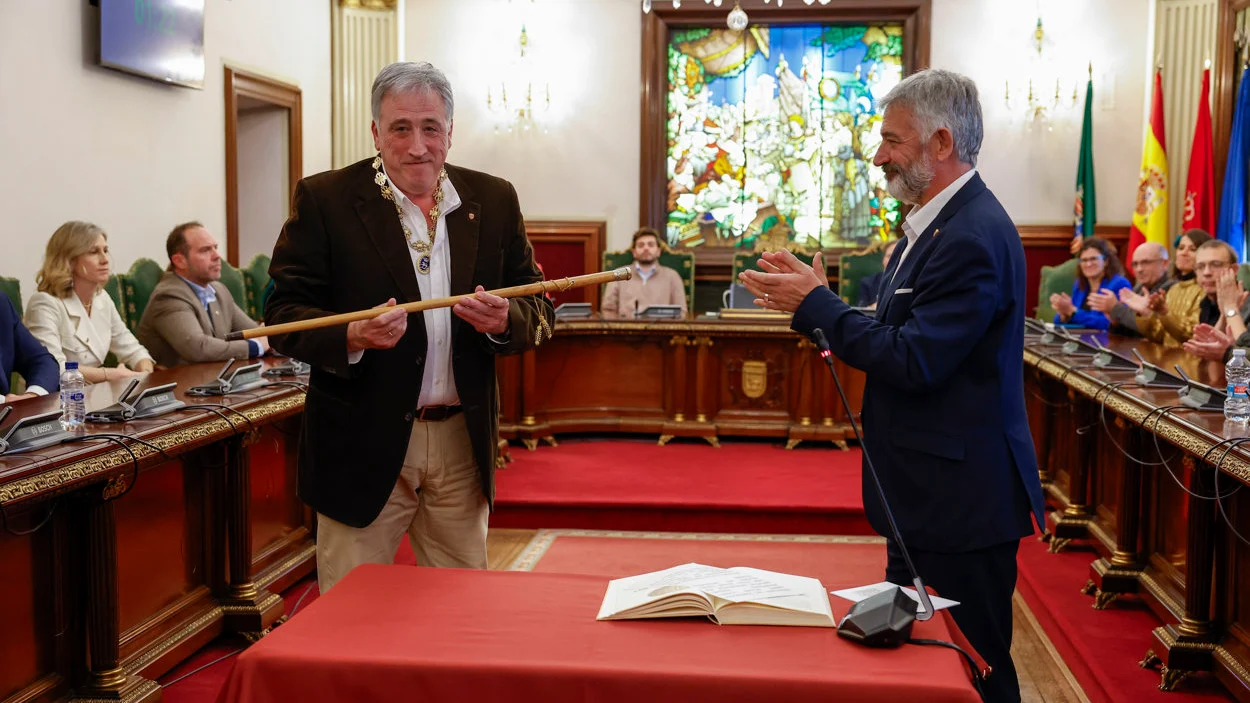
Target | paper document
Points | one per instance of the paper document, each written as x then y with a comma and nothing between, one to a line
855,595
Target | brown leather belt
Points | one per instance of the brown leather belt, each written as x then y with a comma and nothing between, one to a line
437,413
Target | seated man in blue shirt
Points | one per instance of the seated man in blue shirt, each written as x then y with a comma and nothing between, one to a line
191,312
21,352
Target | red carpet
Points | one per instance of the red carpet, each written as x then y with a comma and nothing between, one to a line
1101,647
200,678
743,487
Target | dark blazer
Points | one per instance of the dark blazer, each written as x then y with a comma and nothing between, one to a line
21,352
177,329
343,250
943,415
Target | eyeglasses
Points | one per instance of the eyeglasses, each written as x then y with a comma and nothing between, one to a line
1091,259
1145,262
1212,265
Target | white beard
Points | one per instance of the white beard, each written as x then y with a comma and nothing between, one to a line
909,184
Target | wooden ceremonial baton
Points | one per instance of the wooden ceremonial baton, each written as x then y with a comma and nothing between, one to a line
542,287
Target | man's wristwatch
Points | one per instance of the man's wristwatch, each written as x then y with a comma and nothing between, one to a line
1230,313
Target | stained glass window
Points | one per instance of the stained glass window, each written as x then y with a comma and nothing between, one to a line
771,133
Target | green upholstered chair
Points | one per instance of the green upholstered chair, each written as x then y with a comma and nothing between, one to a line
680,261
255,281
137,287
747,260
1243,275
116,288
12,288
1055,279
232,279
855,266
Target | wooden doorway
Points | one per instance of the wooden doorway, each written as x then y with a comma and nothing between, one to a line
275,110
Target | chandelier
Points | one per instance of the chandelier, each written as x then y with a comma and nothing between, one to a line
519,99
737,18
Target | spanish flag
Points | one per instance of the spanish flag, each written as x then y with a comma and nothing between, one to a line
1150,217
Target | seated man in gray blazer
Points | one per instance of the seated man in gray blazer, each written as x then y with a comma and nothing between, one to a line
190,312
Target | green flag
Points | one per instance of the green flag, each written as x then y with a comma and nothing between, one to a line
1085,209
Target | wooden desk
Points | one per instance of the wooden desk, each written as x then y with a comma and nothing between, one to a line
1154,525
134,563
707,378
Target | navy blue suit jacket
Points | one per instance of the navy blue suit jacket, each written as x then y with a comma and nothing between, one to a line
21,352
943,416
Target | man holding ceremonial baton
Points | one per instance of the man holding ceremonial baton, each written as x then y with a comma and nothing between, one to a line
400,424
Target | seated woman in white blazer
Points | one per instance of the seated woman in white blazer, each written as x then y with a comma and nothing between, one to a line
72,315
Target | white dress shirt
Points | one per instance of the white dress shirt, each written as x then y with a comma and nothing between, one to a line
438,382
64,328
919,219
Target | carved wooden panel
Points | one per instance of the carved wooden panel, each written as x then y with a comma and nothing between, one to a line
569,248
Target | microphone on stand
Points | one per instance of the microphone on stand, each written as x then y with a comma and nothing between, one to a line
883,620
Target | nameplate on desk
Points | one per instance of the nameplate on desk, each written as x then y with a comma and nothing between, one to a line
661,312
755,315
291,368
1074,345
242,379
150,402
35,432
567,311
1107,359
1200,396
1153,376
157,400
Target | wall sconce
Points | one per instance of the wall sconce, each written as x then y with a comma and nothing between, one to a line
519,100
1040,106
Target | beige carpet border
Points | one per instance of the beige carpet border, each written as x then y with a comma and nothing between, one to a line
543,539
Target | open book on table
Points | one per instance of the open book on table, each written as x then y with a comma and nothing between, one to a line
735,596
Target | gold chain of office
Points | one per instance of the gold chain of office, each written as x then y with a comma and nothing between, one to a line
419,245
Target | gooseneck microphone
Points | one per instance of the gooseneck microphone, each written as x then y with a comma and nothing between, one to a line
883,620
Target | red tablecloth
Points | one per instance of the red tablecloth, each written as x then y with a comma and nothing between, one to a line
416,634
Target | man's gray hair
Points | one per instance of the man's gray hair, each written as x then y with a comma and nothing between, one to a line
940,99
411,76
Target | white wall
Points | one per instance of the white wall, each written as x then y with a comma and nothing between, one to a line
136,157
264,195
1033,172
587,167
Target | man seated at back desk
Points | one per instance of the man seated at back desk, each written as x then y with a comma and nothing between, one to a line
652,283
191,312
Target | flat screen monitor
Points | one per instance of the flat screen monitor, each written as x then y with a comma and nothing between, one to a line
158,39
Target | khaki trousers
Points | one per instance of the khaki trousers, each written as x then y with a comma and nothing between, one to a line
437,500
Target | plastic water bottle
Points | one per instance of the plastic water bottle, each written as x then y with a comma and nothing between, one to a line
73,397
1237,372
